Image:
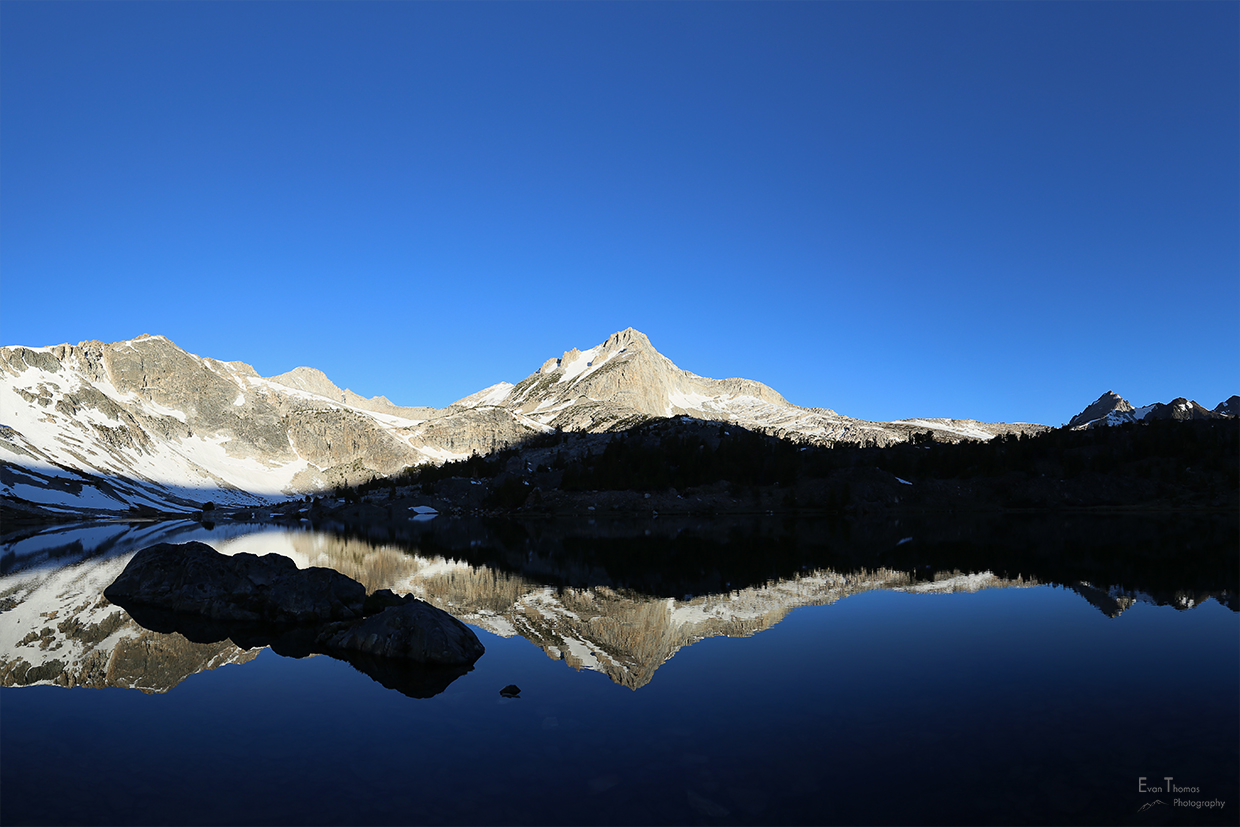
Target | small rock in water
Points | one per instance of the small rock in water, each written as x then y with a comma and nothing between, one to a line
510,691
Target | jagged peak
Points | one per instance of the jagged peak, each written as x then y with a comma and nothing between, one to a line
627,338
1112,396
1109,402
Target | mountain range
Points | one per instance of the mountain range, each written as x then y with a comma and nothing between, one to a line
1112,409
142,424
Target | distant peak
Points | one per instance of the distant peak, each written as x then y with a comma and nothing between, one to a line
1109,402
309,379
306,373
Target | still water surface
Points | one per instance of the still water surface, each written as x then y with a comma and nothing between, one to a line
864,685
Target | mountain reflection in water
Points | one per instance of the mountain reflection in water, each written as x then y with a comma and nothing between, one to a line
619,598
1077,656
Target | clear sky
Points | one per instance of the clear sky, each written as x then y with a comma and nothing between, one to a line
985,210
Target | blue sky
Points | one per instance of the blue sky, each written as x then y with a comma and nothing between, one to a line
996,211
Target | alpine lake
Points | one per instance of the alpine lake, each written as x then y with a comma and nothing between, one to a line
938,669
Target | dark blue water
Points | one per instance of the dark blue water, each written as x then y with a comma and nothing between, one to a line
1014,705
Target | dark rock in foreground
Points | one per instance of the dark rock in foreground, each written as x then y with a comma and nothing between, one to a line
267,600
196,579
416,631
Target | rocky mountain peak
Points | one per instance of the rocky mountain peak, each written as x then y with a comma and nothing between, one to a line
1180,409
627,339
1109,402
1111,409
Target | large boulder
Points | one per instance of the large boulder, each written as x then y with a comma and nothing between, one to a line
414,630
268,601
193,578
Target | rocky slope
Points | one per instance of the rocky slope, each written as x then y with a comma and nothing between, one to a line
144,424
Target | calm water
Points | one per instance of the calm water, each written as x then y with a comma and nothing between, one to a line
764,673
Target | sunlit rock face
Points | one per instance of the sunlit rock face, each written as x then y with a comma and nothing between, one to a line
144,423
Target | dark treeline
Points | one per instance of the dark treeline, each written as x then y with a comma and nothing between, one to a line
1200,456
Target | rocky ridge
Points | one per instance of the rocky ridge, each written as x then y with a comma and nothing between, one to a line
1111,409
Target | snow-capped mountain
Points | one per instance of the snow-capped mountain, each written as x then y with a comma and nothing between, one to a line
1112,409
625,381
143,423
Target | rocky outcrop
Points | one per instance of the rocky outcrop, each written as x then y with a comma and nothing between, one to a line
270,591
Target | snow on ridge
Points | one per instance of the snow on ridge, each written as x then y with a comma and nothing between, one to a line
38,349
494,395
959,583
299,393
970,432
580,364
441,454
690,401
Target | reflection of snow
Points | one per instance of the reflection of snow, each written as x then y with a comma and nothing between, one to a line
959,583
